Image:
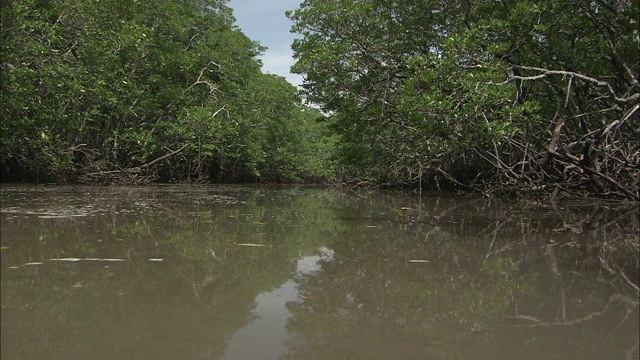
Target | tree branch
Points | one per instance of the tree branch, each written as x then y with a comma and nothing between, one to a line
571,74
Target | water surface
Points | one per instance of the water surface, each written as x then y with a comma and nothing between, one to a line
236,272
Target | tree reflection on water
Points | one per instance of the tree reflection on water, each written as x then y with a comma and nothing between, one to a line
350,275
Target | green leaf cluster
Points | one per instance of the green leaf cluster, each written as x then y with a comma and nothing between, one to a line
95,88
470,92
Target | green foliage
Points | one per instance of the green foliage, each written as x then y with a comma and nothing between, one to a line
471,92
102,88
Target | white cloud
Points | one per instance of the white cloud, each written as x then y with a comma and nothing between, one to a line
265,22
279,63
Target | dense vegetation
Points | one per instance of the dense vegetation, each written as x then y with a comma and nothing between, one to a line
496,96
133,91
500,97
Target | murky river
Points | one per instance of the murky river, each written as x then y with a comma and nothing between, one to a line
234,272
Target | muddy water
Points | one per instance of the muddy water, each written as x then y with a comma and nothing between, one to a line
308,273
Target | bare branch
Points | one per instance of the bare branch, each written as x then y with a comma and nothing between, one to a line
546,72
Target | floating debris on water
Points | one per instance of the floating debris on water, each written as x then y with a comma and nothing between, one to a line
85,259
66,259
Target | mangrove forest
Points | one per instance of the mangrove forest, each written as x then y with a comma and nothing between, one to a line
511,97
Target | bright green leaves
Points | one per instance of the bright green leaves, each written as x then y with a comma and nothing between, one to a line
411,83
117,84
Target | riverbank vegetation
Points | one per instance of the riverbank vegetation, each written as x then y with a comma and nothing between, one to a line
139,91
497,97
510,97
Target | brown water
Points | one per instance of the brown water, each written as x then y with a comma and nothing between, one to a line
175,272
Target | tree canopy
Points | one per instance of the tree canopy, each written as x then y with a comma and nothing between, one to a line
132,91
499,96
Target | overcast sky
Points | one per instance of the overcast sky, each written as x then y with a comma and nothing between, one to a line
264,21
